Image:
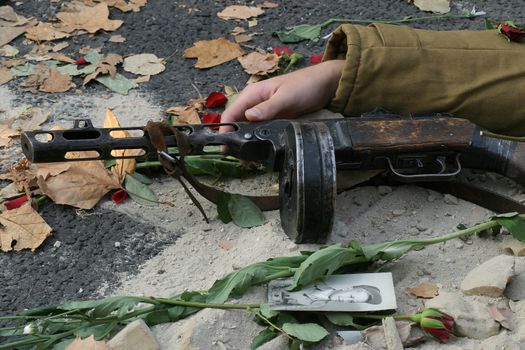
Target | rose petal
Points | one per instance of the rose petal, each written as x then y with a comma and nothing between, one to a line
81,61
316,58
282,49
211,118
511,32
216,100
119,196
15,203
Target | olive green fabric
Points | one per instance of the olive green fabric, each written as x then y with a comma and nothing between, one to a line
478,75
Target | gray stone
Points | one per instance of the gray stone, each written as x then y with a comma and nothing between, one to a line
392,339
450,199
500,341
383,190
471,316
278,343
398,212
516,288
135,336
489,278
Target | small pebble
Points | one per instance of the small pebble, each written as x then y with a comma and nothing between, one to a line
459,245
57,244
117,244
398,212
413,231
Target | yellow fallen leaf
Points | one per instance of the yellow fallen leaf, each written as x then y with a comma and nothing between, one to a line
91,19
184,115
24,226
259,64
210,53
240,12
88,344
424,290
122,166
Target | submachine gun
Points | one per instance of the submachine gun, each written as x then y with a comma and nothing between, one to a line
307,153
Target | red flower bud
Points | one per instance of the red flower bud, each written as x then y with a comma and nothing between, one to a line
119,196
15,203
81,61
511,31
435,323
282,49
211,118
216,100
316,58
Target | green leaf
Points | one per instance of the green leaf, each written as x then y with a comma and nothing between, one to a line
142,178
63,344
216,166
23,70
390,250
267,312
299,33
343,319
244,212
93,56
108,163
323,263
237,282
167,313
222,207
72,69
98,331
263,337
103,307
490,24
120,84
310,332
514,224
139,192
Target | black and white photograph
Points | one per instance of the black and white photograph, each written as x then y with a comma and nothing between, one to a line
352,292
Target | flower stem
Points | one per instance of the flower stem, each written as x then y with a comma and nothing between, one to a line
207,305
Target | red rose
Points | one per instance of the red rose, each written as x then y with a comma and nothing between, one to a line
15,203
512,32
216,100
282,49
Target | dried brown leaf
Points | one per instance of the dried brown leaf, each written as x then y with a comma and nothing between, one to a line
259,64
242,38
91,19
141,79
210,53
240,12
30,120
144,64
46,32
252,23
88,344
117,39
80,184
8,14
268,5
14,62
47,79
23,227
122,166
107,65
5,75
184,115
424,290
60,57
60,46
5,134
124,6
238,30
8,51
436,6
9,32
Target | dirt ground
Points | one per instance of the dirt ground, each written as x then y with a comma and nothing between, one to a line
130,249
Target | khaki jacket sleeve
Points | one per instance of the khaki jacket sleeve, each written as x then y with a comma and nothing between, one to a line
477,75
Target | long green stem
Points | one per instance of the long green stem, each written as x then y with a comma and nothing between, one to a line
396,21
207,305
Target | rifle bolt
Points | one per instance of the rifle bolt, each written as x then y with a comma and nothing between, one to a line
248,136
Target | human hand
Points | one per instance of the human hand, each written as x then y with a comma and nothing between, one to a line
286,96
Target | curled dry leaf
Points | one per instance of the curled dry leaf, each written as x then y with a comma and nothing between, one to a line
184,115
142,79
259,64
23,175
144,64
5,134
12,25
24,226
107,65
47,79
122,166
60,46
91,19
238,30
30,120
424,290
5,75
210,53
80,184
14,62
88,344
268,5
242,38
240,12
